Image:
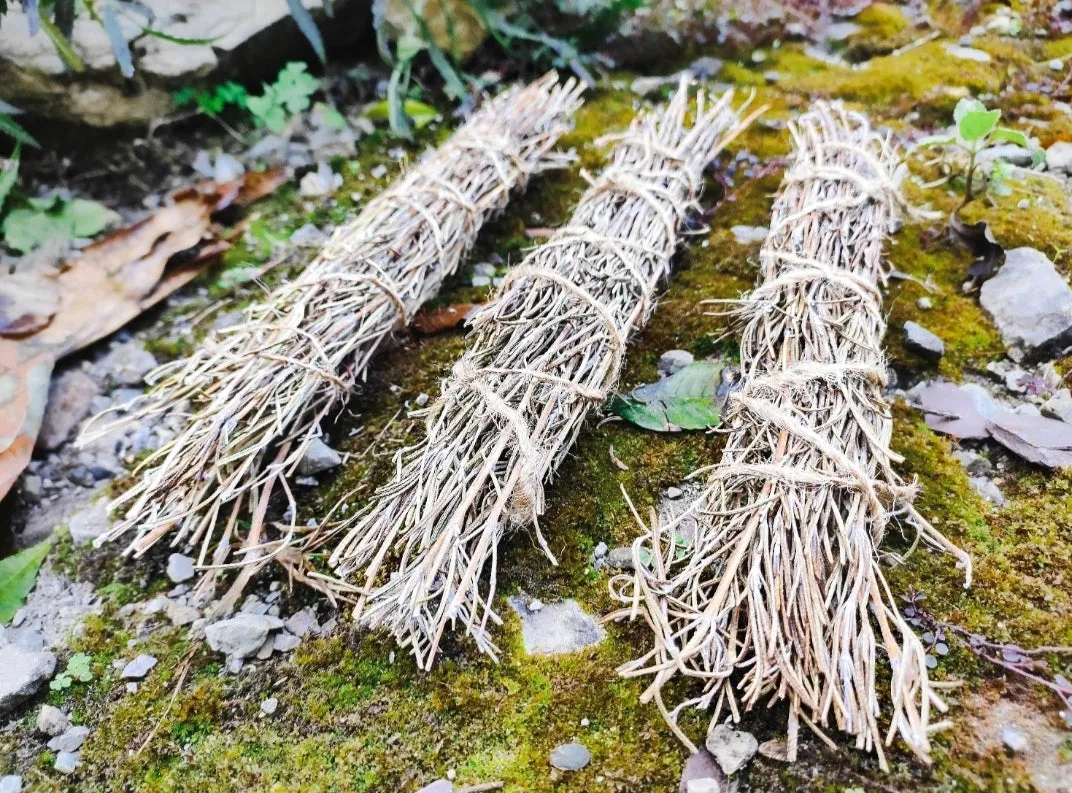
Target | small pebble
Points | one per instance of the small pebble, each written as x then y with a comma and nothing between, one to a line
180,568
52,721
269,706
925,304
451,774
1014,738
139,667
674,492
67,762
535,605
11,784
570,757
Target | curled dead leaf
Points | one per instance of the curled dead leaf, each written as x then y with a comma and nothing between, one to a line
437,320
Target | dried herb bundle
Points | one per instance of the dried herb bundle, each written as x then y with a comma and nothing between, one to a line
780,594
261,390
545,352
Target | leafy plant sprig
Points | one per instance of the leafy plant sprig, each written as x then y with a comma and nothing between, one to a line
289,95
78,669
977,130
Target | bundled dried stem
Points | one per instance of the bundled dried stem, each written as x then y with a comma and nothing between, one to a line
261,390
545,352
781,583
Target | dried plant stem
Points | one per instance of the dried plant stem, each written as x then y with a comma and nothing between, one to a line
259,391
545,352
781,595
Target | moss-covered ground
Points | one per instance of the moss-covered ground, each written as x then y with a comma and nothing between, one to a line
353,716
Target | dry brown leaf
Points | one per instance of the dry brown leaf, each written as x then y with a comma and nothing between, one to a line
24,376
437,320
27,303
45,316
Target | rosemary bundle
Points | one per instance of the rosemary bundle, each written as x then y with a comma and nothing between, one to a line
260,391
545,352
780,595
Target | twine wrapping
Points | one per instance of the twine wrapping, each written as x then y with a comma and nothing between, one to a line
261,390
781,586
548,349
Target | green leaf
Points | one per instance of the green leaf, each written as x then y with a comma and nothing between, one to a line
49,218
63,47
159,34
330,116
9,174
17,576
78,667
691,399
186,95
120,47
977,124
87,218
60,682
1010,136
396,90
421,114
308,28
965,106
9,126
294,86
453,84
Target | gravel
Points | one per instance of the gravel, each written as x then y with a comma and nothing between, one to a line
242,635
732,748
139,667
22,672
52,721
180,568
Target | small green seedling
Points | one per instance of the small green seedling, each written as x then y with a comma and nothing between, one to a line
289,95
976,130
77,670
213,103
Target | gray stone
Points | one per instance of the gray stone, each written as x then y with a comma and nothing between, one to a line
570,756
139,667
269,706
301,622
1007,152
69,399
620,558
700,766
264,652
600,550
924,303
242,635
747,235
70,741
182,613
673,361
308,234
987,489
922,342
1031,305
1059,406
974,463
11,784
1059,157
705,784
1014,738
439,786
89,523
52,721
318,457
285,642
233,36
22,673
67,762
967,53
731,748
180,568
126,364
557,628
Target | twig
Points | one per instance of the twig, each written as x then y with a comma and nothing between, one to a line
184,668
